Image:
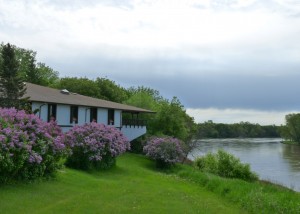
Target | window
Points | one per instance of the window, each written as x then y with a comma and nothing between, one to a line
111,116
73,114
51,112
93,115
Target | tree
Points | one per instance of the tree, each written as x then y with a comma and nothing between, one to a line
141,90
83,86
31,70
46,75
111,91
12,87
170,119
291,131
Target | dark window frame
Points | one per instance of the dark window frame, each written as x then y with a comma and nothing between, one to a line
94,114
111,117
52,110
73,114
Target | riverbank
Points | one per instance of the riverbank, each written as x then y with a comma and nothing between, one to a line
136,186
290,142
269,158
255,197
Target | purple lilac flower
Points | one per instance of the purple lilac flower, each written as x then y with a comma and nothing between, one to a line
28,139
166,149
96,140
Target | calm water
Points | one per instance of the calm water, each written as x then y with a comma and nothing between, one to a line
270,159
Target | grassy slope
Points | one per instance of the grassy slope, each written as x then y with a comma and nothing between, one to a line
134,186
256,197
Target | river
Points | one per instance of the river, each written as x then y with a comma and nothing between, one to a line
270,159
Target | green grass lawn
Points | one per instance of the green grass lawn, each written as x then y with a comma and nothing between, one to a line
133,186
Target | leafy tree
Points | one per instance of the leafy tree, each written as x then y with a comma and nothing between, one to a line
12,87
291,131
82,86
46,75
141,90
109,90
31,70
170,119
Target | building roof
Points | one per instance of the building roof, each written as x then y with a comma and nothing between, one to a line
50,95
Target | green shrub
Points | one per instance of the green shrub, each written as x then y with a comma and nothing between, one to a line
136,145
225,165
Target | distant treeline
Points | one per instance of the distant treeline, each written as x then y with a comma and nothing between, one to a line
237,130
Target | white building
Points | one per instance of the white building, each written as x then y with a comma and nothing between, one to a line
69,109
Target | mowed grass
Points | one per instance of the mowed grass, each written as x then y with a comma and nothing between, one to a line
133,186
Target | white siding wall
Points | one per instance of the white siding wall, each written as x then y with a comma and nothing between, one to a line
131,133
43,110
63,118
117,118
102,116
81,115
87,115
63,114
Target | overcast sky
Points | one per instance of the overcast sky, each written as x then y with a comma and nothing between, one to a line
226,60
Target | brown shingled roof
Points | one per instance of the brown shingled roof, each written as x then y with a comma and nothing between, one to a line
50,95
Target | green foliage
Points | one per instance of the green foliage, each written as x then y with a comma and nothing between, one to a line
243,129
225,165
82,86
30,70
12,87
136,145
47,76
144,100
170,119
254,197
291,131
109,90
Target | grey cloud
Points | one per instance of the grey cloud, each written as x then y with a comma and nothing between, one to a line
236,91
197,83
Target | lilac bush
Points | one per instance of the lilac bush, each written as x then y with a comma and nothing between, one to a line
166,151
94,145
29,147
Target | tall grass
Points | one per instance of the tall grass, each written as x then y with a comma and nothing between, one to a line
255,197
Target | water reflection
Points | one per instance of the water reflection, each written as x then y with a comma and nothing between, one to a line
291,153
270,159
